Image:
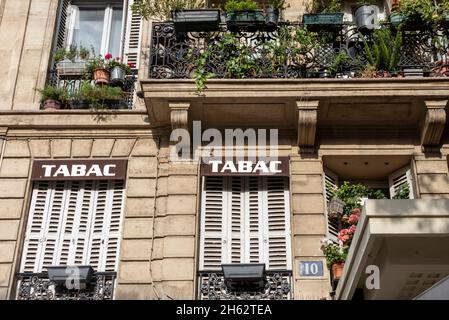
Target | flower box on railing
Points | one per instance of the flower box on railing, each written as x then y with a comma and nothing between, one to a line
323,19
70,68
196,20
245,20
108,104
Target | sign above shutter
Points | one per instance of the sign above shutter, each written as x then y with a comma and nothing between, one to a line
63,170
259,167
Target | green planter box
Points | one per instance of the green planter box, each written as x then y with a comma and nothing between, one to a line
196,20
323,19
396,19
248,20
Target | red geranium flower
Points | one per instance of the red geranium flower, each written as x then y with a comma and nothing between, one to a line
131,65
108,56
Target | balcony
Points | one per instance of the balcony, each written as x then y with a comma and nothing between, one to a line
278,286
37,286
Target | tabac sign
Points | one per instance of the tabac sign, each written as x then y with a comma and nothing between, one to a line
44,170
247,167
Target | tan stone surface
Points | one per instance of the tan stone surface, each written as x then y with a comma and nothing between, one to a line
432,166
122,147
312,289
309,225
10,208
182,247
307,203
40,148
81,148
178,225
3,293
178,269
135,250
15,168
5,274
16,149
102,147
134,272
307,183
134,292
7,251
145,147
308,246
12,188
61,148
179,289
433,183
142,167
307,167
141,187
182,184
139,207
181,204
135,228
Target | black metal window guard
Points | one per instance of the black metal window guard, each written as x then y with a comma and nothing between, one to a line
37,286
72,83
278,286
171,52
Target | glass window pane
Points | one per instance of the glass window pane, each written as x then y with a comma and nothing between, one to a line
116,31
89,28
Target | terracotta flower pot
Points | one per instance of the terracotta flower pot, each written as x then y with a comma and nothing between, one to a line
51,104
101,76
337,270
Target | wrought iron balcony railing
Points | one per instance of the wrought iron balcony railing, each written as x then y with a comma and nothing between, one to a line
37,286
173,54
73,82
278,286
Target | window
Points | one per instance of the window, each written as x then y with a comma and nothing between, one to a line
107,26
245,220
74,223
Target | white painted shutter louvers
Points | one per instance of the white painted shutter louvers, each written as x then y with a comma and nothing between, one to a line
133,32
330,188
397,179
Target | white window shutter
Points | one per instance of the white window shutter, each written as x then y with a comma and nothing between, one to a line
133,33
330,188
277,208
63,23
399,178
213,225
254,218
37,221
234,252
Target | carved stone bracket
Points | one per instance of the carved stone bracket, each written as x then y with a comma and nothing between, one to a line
307,122
434,123
179,115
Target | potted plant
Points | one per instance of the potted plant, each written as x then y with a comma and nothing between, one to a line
324,13
340,63
414,14
53,98
162,9
118,70
366,15
97,69
335,257
98,97
196,20
272,13
243,15
72,61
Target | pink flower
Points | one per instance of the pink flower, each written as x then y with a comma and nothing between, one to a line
353,219
352,229
356,211
108,56
131,65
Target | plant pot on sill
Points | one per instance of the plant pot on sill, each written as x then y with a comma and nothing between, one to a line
51,104
365,17
117,75
101,76
115,104
337,270
196,20
245,20
315,21
271,18
70,68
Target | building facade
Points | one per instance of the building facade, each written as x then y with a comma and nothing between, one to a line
101,187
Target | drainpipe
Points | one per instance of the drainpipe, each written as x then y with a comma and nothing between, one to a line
3,138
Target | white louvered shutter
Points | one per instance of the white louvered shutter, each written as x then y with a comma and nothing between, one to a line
133,32
399,178
277,221
37,220
234,248
62,23
254,220
330,188
213,226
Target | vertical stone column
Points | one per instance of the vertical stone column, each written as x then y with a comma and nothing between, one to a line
432,176
308,225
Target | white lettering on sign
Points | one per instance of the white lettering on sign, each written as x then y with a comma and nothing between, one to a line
79,170
246,167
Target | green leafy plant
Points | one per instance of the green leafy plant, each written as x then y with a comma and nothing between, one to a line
161,9
333,253
418,11
403,192
54,93
367,2
279,4
84,53
384,53
72,53
339,62
324,6
97,96
239,5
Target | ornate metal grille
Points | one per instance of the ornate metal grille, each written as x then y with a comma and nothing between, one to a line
37,286
278,286
172,53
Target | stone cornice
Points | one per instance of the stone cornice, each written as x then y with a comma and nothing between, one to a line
307,121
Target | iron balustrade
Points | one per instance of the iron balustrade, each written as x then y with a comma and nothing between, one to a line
172,54
212,286
37,286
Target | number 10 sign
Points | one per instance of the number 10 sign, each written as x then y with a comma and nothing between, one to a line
311,269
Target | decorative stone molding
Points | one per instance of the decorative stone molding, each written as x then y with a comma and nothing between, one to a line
179,115
307,122
434,124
